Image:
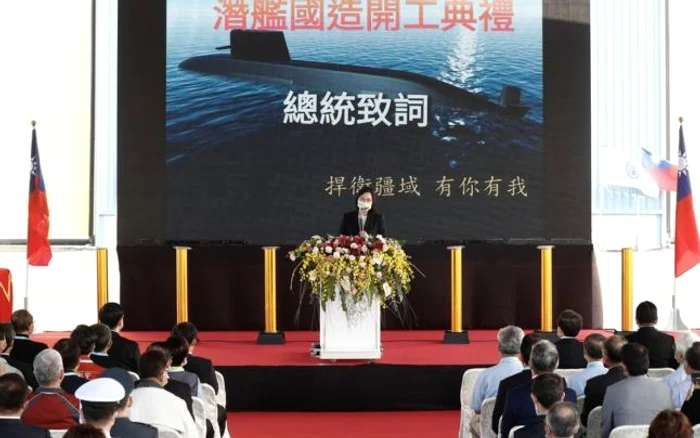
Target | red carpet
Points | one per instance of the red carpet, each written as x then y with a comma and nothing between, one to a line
436,424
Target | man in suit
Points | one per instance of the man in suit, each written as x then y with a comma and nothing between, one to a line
562,421
8,334
124,351
70,355
570,349
596,387
525,376
13,395
547,389
103,341
25,350
679,381
123,426
519,409
636,399
661,346
593,347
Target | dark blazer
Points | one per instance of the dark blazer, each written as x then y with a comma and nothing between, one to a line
691,408
532,430
374,224
25,349
125,351
595,390
520,410
105,362
525,376
570,354
24,368
14,428
204,369
661,346
71,383
125,428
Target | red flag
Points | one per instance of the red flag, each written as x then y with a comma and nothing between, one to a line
38,246
687,241
5,295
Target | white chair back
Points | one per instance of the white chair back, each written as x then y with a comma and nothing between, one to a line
486,414
659,373
221,395
57,433
567,373
209,398
135,377
579,403
465,395
595,420
200,416
630,432
696,431
511,434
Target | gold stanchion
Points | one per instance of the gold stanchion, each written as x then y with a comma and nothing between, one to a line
102,278
456,335
271,336
181,283
546,287
627,285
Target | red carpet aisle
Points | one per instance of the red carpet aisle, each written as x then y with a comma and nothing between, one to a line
439,424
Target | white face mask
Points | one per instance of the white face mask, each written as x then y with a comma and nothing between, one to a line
364,205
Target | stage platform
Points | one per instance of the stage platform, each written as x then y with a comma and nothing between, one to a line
416,372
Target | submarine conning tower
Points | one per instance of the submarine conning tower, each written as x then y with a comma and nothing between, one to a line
259,45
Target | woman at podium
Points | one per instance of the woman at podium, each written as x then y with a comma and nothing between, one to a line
364,220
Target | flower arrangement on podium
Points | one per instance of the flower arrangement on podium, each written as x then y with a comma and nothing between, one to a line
354,268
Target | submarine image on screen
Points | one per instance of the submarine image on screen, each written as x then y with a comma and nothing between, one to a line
257,55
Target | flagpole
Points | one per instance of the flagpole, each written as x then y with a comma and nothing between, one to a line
26,289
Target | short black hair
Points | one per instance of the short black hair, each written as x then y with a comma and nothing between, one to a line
13,392
152,364
84,431
647,313
70,353
526,345
636,359
593,346
8,332
84,337
570,323
178,348
547,389
692,356
613,348
161,346
98,411
103,336
186,330
110,314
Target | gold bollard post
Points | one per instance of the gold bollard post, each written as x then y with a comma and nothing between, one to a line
181,283
102,278
456,335
627,287
271,336
545,287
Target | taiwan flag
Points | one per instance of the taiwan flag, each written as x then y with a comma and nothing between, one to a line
38,246
664,173
687,242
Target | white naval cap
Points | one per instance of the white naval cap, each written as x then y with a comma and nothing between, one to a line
101,390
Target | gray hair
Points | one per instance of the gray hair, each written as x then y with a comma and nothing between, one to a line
544,357
685,341
562,419
509,340
48,366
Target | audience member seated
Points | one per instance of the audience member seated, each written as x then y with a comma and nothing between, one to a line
84,431
103,341
84,337
679,380
593,353
177,388
70,355
689,387
562,421
202,367
525,376
178,349
637,399
570,349
547,389
519,410
660,345
13,395
670,424
99,403
7,332
596,387
123,426
7,368
49,406
124,351
25,349
152,404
